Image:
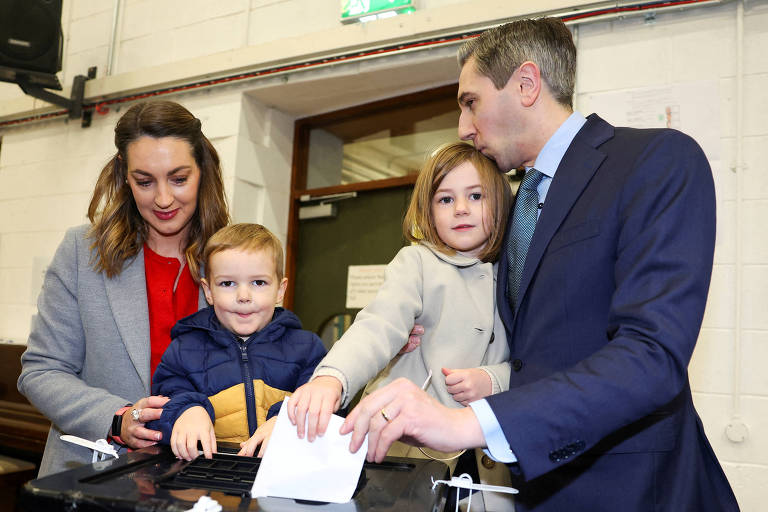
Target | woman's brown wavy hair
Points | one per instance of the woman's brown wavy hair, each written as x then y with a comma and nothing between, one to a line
117,230
419,225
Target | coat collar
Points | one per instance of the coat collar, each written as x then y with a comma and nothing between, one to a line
579,164
127,296
577,167
456,259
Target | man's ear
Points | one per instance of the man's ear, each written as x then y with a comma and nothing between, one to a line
207,291
281,290
530,82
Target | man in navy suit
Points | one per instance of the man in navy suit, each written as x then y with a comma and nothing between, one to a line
604,316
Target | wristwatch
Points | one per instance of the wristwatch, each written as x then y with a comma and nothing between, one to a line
117,424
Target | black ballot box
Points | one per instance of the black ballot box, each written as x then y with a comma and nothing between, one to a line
152,479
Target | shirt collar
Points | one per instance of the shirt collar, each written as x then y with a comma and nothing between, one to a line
553,151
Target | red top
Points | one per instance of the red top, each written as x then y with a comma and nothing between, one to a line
166,306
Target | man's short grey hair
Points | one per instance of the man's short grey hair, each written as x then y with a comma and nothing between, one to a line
498,52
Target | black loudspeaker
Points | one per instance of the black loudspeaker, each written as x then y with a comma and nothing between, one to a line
30,36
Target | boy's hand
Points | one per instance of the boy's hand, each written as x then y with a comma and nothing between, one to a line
468,384
312,404
194,424
261,436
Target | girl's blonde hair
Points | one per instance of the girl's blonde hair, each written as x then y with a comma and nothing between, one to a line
117,230
419,225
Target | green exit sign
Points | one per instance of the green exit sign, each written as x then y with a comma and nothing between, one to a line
368,10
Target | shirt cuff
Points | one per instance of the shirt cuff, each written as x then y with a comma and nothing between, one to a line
495,387
498,448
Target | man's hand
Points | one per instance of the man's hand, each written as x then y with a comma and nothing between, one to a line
132,432
260,437
312,404
414,340
414,417
467,384
192,426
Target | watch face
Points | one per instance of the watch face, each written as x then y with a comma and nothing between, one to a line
117,424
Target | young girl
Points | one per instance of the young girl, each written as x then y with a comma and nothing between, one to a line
445,281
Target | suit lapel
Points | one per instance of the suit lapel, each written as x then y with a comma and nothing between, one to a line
577,167
127,296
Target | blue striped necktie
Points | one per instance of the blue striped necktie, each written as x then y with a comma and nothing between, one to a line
523,224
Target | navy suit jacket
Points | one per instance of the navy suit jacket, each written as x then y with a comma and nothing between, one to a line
599,410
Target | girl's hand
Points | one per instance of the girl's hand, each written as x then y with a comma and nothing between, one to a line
310,407
467,384
192,426
261,436
132,432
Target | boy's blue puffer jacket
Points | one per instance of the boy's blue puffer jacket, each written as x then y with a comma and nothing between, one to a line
240,383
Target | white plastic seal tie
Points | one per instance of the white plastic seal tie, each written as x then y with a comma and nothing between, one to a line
101,448
464,481
206,504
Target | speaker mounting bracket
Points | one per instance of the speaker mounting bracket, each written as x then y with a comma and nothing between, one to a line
73,104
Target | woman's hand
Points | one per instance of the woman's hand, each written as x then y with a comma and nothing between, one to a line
467,384
132,432
192,426
312,404
261,436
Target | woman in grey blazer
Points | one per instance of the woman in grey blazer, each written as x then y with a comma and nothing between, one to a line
88,354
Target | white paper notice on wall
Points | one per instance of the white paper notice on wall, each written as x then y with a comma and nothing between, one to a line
363,281
676,106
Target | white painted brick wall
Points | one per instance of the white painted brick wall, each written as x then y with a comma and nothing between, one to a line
711,367
92,31
291,18
87,8
264,154
47,170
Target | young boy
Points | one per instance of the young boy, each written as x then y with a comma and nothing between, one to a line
230,365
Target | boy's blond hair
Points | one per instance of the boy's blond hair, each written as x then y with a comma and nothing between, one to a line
419,225
244,237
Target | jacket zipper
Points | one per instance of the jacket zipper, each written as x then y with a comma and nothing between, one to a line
250,398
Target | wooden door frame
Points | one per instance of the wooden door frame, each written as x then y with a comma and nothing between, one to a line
302,129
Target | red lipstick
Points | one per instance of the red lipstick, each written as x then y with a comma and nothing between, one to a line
165,215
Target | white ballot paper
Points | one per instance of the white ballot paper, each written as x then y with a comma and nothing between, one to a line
323,470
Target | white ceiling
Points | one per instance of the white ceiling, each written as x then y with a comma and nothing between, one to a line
332,87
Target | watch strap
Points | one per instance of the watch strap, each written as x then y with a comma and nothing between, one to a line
117,423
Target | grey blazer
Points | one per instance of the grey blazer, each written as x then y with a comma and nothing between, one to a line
88,352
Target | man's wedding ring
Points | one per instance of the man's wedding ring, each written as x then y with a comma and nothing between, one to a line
384,415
